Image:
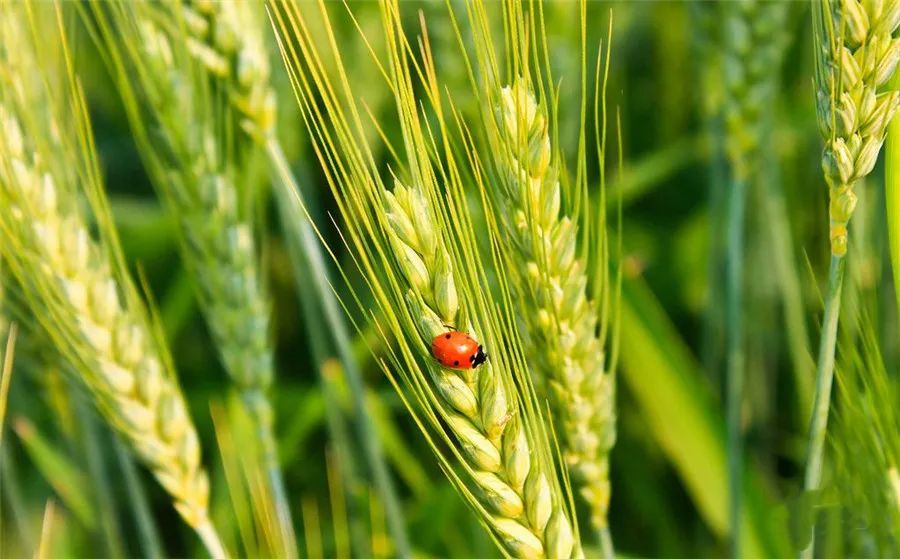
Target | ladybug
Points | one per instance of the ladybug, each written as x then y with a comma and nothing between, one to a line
457,350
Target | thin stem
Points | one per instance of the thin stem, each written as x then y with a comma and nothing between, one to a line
824,378
338,433
607,551
211,541
257,403
735,373
289,192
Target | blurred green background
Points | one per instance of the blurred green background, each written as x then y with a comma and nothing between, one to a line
668,468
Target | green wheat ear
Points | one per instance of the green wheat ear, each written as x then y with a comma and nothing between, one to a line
76,284
856,57
561,320
193,84
418,251
475,405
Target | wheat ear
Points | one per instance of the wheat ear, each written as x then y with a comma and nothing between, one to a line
753,41
93,314
561,320
228,39
197,161
512,488
200,183
857,56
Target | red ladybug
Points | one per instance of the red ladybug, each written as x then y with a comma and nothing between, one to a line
457,350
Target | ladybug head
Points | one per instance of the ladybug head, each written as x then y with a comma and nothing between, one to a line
480,357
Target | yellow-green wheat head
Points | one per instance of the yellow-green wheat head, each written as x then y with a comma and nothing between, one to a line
431,234
72,281
856,55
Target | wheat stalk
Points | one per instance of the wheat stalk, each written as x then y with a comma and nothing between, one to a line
752,38
856,55
511,484
76,285
561,319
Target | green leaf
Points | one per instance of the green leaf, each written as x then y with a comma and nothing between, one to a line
801,510
680,409
67,480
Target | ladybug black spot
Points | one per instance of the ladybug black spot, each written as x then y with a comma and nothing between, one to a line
456,363
447,337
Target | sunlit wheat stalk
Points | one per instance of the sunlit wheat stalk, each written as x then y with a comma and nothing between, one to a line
76,285
753,39
562,320
856,55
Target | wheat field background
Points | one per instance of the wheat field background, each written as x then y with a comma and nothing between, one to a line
239,240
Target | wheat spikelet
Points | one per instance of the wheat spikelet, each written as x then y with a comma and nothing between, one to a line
76,285
513,489
856,56
561,320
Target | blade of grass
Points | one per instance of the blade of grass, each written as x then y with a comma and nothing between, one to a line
311,531
678,406
46,544
6,372
13,498
148,534
892,194
98,473
784,263
67,480
312,310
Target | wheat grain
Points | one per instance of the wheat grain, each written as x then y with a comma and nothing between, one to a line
510,481
561,320
856,56
89,309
